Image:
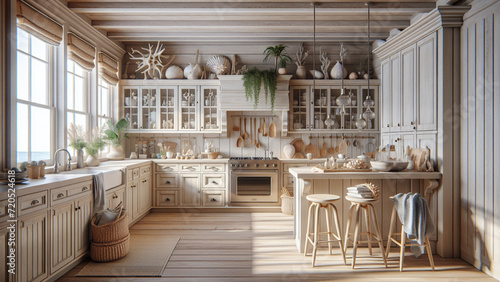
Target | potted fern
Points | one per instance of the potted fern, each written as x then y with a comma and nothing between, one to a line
113,134
279,54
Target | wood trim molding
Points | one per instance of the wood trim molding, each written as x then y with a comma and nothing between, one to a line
442,16
64,15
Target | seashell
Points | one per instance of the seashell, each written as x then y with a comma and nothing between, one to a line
338,71
353,75
191,72
219,64
316,74
174,72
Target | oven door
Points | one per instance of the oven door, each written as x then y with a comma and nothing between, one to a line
249,186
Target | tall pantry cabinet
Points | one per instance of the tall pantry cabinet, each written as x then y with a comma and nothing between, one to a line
419,104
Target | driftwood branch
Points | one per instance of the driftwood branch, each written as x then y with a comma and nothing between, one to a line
325,63
301,56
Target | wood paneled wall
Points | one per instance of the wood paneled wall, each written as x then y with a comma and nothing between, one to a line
480,137
251,54
3,96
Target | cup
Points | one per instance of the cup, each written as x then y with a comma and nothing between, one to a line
341,156
170,154
309,156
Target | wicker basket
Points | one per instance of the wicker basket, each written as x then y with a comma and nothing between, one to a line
103,252
287,204
110,232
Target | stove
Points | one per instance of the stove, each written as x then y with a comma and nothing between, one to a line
254,180
253,163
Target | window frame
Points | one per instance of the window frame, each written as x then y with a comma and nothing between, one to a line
111,88
51,94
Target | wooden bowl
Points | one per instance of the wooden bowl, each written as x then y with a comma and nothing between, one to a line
214,155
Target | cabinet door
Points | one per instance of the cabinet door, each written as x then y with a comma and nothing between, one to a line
167,104
395,92
319,107
131,106
133,199
209,105
386,101
83,215
426,87
144,194
408,89
61,236
190,189
32,248
147,109
299,99
371,124
188,105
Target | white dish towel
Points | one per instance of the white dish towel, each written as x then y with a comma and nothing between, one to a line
99,193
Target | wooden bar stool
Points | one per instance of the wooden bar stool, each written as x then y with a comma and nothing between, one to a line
402,244
319,201
356,206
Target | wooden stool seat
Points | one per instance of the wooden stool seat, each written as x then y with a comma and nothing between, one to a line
402,244
322,198
357,204
319,201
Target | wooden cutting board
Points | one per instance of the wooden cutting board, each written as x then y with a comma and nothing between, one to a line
298,144
418,155
312,149
172,146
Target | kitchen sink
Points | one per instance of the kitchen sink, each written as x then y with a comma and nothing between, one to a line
112,176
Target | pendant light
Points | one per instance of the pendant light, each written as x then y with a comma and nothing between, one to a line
329,122
368,115
342,100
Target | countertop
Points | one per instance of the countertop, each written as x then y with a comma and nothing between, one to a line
306,173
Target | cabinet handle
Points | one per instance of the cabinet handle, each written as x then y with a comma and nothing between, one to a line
387,125
35,202
399,124
190,168
213,200
85,188
115,196
144,181
76,208
412,122
60,195
167,200
167,168
214,168
167,182
215,182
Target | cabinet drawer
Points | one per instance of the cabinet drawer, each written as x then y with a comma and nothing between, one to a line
167,198
288,180
145,171
32,202
189,167
165,180
287,166
63,194
213,167
213,198
166,167
214,180
135,173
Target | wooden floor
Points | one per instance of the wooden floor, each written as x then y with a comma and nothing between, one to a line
260,247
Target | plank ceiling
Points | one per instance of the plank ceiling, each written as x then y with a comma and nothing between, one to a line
245,20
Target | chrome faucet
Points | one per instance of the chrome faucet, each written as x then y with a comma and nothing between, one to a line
56,165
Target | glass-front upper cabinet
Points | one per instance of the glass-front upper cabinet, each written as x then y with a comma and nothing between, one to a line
370,115
299,104
167,105
210,115
350,113
187,108
130,106
319,103
148,108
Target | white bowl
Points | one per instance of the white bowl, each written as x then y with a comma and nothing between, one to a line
399,166
381,166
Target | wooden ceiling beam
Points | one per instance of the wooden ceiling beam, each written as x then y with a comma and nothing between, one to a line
274,1
183,16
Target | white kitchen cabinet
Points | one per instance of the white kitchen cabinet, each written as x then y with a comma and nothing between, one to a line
62,249
188,108
138,191
4,251
32,247
190,187
133,199
213,198
116,196
308,110
386,100
167,107
426,83
395,92
167,198
408,89
83,208
145,193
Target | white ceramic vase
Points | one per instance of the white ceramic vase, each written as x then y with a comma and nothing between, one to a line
92,161
282,71
79,158
301,72
289,151
338,71
116,153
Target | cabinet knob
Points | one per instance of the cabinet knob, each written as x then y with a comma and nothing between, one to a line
144,181
85,188
414,128
399,124
76,209
167,182
213,200
167,200
387,125
60,195
412,122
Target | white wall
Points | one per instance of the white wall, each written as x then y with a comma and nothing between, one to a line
480,137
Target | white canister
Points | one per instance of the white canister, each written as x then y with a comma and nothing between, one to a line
309,156
170,154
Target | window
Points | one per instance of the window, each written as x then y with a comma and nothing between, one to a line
104,106
77,89
35,109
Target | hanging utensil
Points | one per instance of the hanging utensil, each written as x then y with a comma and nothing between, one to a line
258,142
245,134
264,128
322,152
235,127
343,147
240,142
260,125
252,136
272,129
331,150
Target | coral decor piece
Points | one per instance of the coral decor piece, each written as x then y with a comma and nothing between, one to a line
325,63
301,56
150,64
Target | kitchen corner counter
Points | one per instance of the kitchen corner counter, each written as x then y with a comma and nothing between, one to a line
191,161
306,173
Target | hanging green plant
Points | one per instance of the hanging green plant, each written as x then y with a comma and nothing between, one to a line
253,80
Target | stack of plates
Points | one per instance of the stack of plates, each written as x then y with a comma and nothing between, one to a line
360,192
19,177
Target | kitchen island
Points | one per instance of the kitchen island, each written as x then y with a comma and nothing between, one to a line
390,183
